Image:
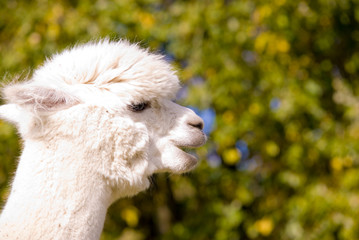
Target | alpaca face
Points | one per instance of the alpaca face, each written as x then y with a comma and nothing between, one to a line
114,100
172,130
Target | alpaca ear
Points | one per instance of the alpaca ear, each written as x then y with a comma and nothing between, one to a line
39,99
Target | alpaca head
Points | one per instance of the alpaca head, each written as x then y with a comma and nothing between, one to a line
112,101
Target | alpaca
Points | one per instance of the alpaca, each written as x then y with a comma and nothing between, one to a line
96,121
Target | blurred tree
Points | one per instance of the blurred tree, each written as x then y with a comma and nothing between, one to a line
277,84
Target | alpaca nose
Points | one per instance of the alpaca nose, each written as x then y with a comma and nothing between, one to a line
196,122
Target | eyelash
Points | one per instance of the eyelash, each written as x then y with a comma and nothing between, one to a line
139,107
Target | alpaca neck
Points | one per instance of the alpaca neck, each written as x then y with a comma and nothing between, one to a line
54,196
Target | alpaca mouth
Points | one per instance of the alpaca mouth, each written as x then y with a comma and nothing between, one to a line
186,149
185,152
190,151
189,158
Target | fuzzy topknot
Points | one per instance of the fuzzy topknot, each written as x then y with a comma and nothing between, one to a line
119,67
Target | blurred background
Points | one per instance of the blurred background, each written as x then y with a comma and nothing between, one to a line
276,83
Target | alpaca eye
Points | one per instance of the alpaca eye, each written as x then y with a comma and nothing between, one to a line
138,107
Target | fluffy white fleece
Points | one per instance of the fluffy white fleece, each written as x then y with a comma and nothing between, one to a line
97,120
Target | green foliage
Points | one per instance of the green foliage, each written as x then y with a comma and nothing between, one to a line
282,78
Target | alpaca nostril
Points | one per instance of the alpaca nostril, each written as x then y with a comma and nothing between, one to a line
198,125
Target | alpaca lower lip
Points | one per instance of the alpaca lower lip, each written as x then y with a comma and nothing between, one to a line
192,160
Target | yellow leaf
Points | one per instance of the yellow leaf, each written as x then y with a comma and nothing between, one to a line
53,31
261,13
131,216
283,46
280,2
264,226
336,164
339,163
231,156
147,20
272,149
255,109
261,41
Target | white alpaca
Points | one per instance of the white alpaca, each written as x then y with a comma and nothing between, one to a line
97,120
